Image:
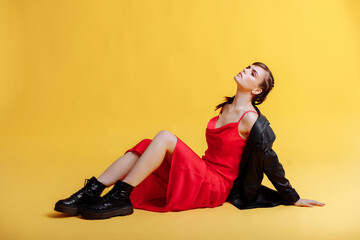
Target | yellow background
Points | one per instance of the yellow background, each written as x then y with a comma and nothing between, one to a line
83,81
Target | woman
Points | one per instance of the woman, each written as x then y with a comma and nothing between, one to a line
164,174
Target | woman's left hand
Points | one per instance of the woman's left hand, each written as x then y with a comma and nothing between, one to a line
308,203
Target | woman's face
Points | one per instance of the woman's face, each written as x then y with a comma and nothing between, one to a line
250,79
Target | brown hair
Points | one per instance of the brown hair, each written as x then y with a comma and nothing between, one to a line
266,87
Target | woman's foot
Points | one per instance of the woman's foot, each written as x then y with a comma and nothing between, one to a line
114,203
89,194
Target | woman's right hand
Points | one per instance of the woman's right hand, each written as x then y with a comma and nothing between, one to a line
308,203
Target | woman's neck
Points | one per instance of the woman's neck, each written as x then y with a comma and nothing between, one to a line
241,102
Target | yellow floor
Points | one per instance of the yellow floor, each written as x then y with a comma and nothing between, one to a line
27,202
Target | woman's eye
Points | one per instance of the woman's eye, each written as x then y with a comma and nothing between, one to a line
248,67
253,74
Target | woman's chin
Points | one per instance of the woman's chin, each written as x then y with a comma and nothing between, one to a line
237,79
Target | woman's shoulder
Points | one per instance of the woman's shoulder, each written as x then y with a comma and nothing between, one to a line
249,120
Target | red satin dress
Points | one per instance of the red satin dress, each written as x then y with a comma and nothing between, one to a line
188,181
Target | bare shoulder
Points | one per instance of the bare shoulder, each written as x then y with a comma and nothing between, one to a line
249,120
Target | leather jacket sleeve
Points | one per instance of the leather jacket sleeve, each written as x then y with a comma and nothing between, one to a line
275,172
259,158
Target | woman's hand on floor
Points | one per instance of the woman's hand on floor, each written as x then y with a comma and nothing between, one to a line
308,203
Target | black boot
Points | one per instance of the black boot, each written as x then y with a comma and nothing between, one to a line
114,203
89,194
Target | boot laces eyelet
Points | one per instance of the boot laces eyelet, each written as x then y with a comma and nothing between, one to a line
86,181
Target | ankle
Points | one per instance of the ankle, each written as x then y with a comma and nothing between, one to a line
127,186
100,182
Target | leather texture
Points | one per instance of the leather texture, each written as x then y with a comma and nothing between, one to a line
89,194
259,158
117,197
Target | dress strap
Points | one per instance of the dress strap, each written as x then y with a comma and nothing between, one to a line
245,113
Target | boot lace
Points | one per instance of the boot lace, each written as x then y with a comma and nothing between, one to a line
86,181
81,190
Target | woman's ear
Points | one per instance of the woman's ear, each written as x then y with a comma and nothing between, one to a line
256,91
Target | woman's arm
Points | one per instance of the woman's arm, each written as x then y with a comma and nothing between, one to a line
275,172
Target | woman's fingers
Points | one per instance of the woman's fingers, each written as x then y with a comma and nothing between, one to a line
308,203
313,202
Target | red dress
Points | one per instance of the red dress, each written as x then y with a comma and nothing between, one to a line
188,181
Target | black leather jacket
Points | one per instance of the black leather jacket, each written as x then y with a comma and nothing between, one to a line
259,158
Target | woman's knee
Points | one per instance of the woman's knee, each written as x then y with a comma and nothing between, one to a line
168,138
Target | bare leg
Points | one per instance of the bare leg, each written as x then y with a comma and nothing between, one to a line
161,147
118,169
123,165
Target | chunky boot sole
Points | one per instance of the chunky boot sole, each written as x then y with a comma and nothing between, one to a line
67,209
123,211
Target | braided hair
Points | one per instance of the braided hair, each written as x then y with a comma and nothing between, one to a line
266,87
